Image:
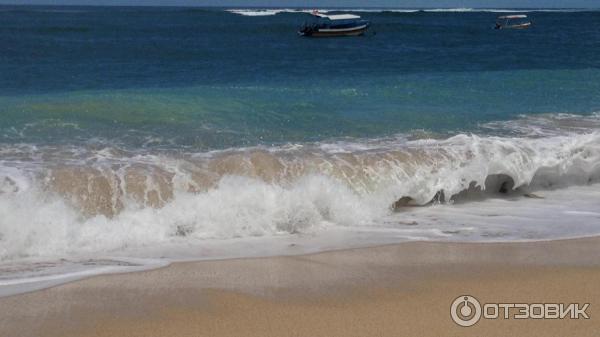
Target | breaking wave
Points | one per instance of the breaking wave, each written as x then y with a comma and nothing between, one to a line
59,200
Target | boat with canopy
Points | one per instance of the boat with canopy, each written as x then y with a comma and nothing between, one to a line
512,22
334,25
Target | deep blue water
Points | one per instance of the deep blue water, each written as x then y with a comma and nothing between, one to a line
208,78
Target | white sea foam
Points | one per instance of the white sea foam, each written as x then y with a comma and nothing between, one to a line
269,12
565,213
545,125
275,11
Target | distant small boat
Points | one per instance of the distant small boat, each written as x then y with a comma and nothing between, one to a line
335,25
512,22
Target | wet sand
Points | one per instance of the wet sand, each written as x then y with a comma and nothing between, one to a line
397,290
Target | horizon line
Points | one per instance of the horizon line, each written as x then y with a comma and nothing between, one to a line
295,7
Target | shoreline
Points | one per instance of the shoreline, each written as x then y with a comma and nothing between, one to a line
56,280
335,286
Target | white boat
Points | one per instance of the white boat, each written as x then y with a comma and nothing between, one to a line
335,25
512,22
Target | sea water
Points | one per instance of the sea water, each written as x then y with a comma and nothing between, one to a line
131,137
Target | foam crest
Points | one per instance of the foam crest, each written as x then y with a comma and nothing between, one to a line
269,12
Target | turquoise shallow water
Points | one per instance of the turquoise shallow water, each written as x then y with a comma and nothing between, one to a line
213,117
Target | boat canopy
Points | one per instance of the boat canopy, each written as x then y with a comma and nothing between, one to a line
337,16
512,17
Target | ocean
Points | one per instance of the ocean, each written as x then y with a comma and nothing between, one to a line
131,136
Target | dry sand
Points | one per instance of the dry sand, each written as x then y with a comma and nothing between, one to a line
397,290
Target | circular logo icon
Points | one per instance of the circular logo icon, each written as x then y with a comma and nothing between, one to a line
465,310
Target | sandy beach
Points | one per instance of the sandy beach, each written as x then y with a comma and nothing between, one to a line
397,290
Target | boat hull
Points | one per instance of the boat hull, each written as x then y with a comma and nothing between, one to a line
519,26
333,32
